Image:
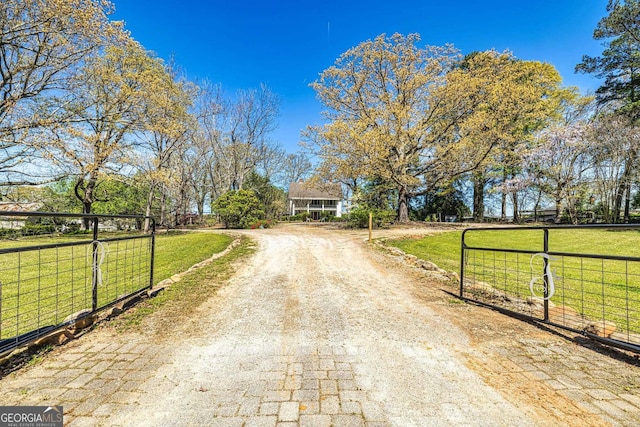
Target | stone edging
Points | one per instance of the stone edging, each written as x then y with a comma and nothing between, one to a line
160,286
413,261
599,328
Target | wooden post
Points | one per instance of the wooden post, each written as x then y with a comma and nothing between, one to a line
370,225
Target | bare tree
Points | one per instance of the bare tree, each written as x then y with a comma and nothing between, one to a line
249,120
297,167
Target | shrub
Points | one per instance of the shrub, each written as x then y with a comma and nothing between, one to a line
238,209
299,217
359,217
38,229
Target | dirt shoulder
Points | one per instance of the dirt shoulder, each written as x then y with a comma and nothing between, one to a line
559,373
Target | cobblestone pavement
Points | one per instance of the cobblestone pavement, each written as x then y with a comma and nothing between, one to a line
318,330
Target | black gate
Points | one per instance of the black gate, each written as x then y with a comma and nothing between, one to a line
56,267
529,273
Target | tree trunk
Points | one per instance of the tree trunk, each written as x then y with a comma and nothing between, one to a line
536,207
147,211
516,207
617,204
200,205
503,206
558,209
163,206
479,182
87,197
623,187
403,205
627,204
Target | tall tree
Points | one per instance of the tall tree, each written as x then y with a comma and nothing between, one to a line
297,167
167,128
614,152
41,44
558,166
249,121
392,113
619,64
517,98
109,101
272,199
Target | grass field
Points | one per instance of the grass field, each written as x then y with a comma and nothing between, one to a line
597,289
42,287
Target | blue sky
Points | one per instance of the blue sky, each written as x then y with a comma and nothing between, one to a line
287,44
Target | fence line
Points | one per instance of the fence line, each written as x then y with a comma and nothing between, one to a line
52,271
597,295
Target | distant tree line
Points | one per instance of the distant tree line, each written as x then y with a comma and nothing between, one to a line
90,121
425,130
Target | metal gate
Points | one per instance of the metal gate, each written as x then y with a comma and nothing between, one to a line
56,266
526,271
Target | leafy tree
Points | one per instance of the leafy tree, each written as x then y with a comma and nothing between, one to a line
272,199
166,132
110,101
41,45
376,193
59,197
122,197
380,217
619,64
390,114
117,197
238,208
447,201
518,99
418,118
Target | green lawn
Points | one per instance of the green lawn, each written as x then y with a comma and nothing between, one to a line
42,287
595,288
444,249
177,252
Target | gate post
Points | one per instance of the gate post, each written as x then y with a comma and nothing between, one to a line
545,267
462,248
153,250
94,275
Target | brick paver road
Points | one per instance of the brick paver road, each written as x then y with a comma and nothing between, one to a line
318,330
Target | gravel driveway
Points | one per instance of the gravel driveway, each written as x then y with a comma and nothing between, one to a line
316,329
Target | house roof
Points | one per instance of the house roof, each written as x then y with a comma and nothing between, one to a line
303,190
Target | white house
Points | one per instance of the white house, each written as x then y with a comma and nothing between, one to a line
315,201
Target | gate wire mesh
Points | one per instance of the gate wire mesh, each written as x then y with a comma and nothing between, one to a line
538,273
50,270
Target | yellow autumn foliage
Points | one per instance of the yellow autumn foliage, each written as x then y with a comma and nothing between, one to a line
419,116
